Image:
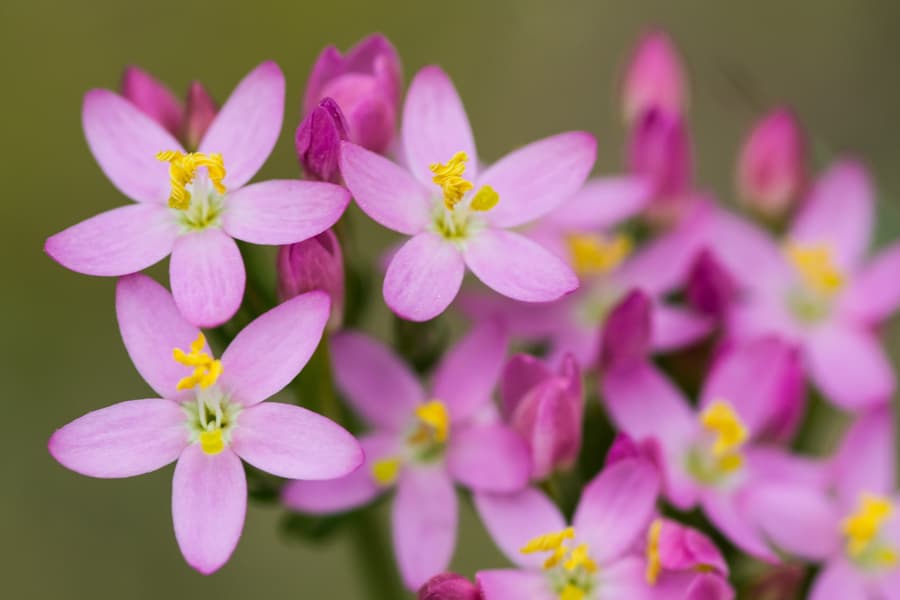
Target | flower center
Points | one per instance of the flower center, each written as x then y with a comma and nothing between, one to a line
863,532
425,442
455,219
597,254
718,455
570,570
197,190
819,280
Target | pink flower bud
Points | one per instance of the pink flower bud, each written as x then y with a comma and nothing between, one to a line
449,586
318,141
314,264
660,151
153,99
546,408
683,548
771,170
367,85
710,287
626,336
199,111
654,78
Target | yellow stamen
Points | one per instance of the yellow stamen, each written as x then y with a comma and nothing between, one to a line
815,264
720,418
572,592
548,542
573,566
579,558
654,563
596,254
434,414
385,470
449,177
206,368
863,526
485,199
183,168
211,441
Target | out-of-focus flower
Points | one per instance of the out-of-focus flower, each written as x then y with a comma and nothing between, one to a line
678,556
546,408
713,456
654,79
314,264
854,528
421,443
210,415
771,169
318,141
591,559
187,122
367,83
193,204
457,217
710,288
449,586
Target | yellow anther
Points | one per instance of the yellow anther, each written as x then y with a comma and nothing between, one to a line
572,592
183,168
864,525
596,254
385,470
579,558
654,563
434,414
548,542
731,433
211,441
485,199
206,368
815,264
450,177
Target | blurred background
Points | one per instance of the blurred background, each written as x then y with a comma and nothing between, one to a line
525,69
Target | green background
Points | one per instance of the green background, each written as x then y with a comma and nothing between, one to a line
525,69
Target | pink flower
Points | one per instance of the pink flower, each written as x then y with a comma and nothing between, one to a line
457,217
546,408
209,415
193,205
314,264
367,83
594,558
654,78
422,443
680,559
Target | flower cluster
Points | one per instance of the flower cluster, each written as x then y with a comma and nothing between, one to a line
628,409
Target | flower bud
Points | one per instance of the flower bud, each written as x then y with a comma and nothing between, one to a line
449,586
546,408
771,170
654,78
710,287
199,111
314,264
660,151
626,336
318,141
367,85
153,99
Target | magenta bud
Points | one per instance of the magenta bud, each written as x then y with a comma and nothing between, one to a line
199,111
654,78
626,336
153,99
683,548
547,408
318,141
367,83
712,586
314,264
660,151
771,170
449,586
710,287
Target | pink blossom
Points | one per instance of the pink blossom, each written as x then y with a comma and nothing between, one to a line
654,78
192,206
461,218
210,415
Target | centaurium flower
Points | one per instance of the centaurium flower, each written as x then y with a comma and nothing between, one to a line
193,204
421,443
209,415
458,217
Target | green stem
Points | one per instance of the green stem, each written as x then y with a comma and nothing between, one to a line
371,552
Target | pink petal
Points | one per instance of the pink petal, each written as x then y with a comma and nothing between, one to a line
709,586
122,440
747,252
625,337
423,278
283,212
728,512
797,519
537,178
839,580
683,548
866,459
616,507
839,212
153,98
512,520
151,328
469,371
357,489
207,276
521,374
424,520
269,352
508,584
125,141
385,191
625,579
116,242
293,442
850,367
772,463
874,293
675,328
516,267
246,128
489,458
601,204
435,125
378,385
